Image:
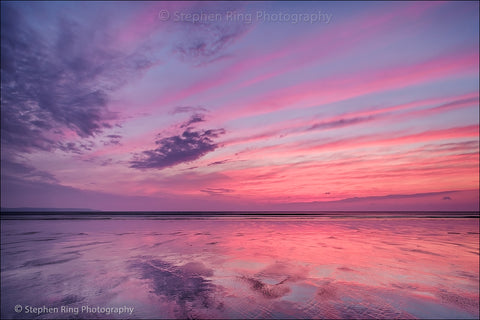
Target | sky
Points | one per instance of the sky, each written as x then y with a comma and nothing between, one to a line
190,106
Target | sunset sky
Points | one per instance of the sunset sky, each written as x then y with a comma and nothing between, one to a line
240,106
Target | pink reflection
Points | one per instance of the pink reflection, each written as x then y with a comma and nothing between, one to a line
248,268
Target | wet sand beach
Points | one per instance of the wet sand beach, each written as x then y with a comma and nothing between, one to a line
232,268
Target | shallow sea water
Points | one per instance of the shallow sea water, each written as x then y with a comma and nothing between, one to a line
240,268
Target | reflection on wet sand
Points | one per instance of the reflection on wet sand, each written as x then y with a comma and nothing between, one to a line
244,268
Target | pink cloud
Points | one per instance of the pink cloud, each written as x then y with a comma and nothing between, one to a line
354,32
361,176
359,142
300,126
340,88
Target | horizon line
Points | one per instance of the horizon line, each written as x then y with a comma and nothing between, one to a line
94,211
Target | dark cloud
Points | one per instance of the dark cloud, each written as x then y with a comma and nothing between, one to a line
114,136
186,147
446,198
397,196
341,123
114,139
188,109
449,105
218,162
74,147
69,147
196,118
59,82
216,191
204,42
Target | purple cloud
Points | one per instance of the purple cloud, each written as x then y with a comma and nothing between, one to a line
188,109
196,118
201,43
216,191
397,196
77,148
218,162
187,147
341,123
114,139
63,82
